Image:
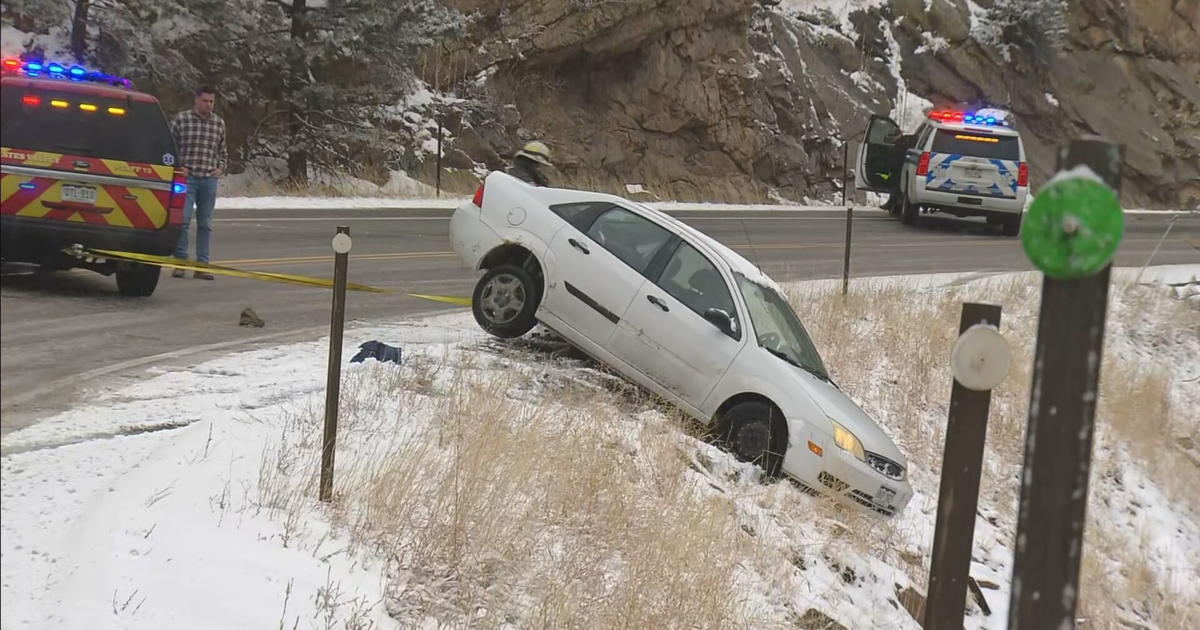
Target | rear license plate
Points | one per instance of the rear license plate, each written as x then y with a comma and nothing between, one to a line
973,173
884,496
79,194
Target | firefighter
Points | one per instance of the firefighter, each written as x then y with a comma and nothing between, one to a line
526,161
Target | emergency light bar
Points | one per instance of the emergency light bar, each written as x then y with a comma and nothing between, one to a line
985,118
54,70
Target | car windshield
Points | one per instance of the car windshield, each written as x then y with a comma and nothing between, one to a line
778,329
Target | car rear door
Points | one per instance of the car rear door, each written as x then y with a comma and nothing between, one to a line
974,162
78,158
600,261
877,165
664,334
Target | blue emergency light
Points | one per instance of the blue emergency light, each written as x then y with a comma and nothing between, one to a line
54,70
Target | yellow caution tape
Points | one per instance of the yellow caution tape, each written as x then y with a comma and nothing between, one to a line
460,301
169,261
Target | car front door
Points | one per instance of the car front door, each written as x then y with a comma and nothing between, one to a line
600,261
877,166
666,335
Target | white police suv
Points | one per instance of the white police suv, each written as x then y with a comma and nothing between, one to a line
960,163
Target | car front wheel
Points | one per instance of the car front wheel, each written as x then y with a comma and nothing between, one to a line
753,433
505,301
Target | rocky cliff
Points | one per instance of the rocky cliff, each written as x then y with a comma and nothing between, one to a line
746,99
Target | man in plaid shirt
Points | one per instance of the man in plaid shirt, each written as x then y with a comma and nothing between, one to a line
200,134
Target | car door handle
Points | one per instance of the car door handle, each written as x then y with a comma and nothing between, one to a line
580,246
659,303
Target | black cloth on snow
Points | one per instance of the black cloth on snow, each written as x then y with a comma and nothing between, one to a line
377,350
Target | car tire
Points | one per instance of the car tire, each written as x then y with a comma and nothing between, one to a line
909,211
1011,226
752,433
137,280
505,300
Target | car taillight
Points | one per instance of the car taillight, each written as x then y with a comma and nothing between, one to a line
478,200
923,165
1023,174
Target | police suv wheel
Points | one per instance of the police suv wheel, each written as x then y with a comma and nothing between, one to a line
909,211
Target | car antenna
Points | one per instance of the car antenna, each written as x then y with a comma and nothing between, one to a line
753,252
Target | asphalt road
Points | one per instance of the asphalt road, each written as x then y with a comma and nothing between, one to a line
67,333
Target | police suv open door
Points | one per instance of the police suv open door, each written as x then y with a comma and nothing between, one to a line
877,164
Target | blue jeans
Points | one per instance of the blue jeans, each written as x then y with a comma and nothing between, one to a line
201,197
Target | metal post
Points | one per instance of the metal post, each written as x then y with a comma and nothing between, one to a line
341,248
846,261
1062,406
845,169
962,464
438,176
849,217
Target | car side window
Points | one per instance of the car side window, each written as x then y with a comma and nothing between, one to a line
633,239
581,214
692,279
926,130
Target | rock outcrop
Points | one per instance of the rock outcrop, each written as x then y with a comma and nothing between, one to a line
746,100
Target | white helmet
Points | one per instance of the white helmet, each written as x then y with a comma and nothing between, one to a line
536,151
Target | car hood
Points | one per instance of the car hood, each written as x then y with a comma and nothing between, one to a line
838,406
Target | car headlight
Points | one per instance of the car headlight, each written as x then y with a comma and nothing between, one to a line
847,441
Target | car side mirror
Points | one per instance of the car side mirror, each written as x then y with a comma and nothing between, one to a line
722,320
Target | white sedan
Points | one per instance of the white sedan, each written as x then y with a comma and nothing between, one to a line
683,316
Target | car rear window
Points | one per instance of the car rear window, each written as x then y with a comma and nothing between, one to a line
977,144
141,134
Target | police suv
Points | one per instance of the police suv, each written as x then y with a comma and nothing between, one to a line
960,163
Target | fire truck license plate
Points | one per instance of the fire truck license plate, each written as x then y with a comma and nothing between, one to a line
79,194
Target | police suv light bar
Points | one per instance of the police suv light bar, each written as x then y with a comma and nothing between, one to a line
54,70
984,117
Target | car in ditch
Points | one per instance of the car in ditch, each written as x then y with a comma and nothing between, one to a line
681,315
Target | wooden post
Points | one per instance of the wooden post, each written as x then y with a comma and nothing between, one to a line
341,248
1062,406
962,464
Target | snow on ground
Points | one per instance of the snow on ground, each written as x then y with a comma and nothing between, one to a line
143,508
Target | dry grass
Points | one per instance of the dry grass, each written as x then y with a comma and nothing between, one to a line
907,338
551,498
506,508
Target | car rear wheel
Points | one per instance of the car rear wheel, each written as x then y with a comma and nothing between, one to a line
137,280
908,210
753,432
505,300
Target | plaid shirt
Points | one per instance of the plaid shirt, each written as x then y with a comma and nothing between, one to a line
201,142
